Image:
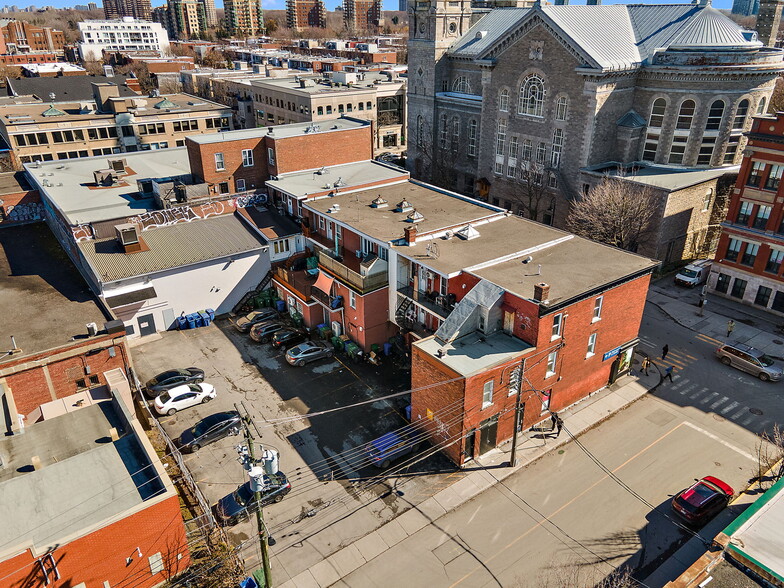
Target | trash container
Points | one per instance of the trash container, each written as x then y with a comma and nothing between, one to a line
387,348
297,319
337,343
375,348
198,320
191,318
210,312
280,305
182,322
205,318
408,412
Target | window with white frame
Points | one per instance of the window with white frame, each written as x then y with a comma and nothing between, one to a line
528,150
443,132
383,253
352,299
552,358
558,141
761,106
455,133
541,153
597,308
281,246
557,323
472,127
240,184
487,393
531,101
322,224
247,158
219,165
591,345
500,143
503,101
461,85
271,155
561,108
514,147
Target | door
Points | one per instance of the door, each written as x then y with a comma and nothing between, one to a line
508,322
146,325
470,444
291,206
168,319
329,230
488,434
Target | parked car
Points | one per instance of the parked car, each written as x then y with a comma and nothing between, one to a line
171,379
262,332
245,323
391,446
694,274
288,337
240,504
170,401
210,429
309,351
702,500
748,359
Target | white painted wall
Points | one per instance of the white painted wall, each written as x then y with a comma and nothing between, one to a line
217,284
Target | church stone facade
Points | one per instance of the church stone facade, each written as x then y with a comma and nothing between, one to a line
505,100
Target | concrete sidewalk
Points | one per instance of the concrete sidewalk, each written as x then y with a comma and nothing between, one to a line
714,324
490,468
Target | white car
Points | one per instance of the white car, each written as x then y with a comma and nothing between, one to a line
184,396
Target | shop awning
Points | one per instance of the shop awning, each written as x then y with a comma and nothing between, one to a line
131,297
324,283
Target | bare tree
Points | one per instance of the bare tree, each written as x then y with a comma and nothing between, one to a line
94,68
439,157
615,212
770,454
531,194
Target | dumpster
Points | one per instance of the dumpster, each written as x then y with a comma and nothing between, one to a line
325,332
387,348
198,319
205,318
191,318
280,305
297,319
182,322
210,312
354,352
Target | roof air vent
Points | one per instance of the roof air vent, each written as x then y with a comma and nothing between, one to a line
467,233
404,206
379,202
481,34
415,217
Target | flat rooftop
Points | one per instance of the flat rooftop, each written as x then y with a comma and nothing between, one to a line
351,176
571,268
85,478
440,210
74,193
475,352
283,131
44,301
269,223
667,178
13,183
291,84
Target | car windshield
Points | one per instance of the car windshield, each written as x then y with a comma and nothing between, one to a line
766,360
243,495
689,273
166,375
297,350
164,398
698,495
205,425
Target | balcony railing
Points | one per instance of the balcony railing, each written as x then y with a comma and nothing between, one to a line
363,284
437,304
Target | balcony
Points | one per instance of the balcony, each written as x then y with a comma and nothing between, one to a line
437,304
340,269
298,280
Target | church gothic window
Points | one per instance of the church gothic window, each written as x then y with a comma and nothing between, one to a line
472,127
740,115
461,85
561,108
686,115
761,106
503,101
531,100
709,137
500,142
654,129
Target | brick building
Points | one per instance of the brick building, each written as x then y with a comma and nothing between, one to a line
750,258
19,203
506,98
114,9
363,15
301,14
19,36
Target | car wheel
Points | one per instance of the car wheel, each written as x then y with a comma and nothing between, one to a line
206,399
764,377
300,363
195,447
171,411
385,464
726,361
278,498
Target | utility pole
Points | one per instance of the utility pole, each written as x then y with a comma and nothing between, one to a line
515,380
263,545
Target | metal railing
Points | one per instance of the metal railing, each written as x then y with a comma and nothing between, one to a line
362,283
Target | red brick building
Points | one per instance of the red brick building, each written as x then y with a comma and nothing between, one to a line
18,36
749,265
301,14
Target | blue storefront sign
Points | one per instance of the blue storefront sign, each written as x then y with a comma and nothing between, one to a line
611,353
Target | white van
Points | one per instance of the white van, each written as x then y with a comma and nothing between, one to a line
695,273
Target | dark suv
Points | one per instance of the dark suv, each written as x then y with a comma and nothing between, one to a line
240,504
262,332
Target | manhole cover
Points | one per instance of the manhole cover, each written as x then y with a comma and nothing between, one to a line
756,411
778,342
717,464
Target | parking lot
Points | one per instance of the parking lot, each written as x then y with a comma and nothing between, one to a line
336,494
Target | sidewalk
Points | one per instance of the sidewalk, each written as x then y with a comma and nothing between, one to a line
490,468
713,323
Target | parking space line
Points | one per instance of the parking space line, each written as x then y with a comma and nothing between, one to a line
720,440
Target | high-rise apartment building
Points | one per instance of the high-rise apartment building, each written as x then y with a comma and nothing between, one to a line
302,14
141,9
209,12
186,19
362,15
745,7
244,17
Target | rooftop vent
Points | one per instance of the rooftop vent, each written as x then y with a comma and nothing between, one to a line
404,206
105,177
379,202
467,233
415,217
322,171
339,183
480,34
334,208
117,165
128,236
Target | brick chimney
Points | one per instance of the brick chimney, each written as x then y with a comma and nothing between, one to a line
541,292
411,235
768,21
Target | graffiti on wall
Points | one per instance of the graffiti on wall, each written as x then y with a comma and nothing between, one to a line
249,200
82,232
23,212
164,218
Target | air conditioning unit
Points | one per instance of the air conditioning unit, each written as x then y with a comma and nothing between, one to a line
337,329
117,165
105,177
92,329
127,234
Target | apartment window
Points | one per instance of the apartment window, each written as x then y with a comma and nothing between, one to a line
557,323
461,85
774,178
219,165
500,142
715,115
686,115
706,201
763,215
597,309
503,101
487,393
341,108
361,106
271,155
561,108
223,188
156,563
778,301
774,261
558,141
352,299
749,254
744,212
755,175
738,288
723,283
733,250
329,109
763,296
320,111
322,224
383,253
514,147
247,158
472,127
528,150
443,132
240,183
551,360
281,246
369,106
591,345
541,153
531,100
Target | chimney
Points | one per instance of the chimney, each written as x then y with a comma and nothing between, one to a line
101,94
541,292
768,21
411,235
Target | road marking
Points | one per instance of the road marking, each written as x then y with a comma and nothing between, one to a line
720,440
550,516
708,339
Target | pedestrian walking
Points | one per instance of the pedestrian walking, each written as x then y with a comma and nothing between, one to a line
665,351
557,424
668,373
730,327
646,363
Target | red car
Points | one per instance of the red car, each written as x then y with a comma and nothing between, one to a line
703,500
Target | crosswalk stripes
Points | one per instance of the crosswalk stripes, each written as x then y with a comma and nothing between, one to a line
708,339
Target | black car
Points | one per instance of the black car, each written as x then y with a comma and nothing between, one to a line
210,429
171,379
241,503
288,337
262,332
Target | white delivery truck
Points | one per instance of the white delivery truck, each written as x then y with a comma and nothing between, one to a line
695,273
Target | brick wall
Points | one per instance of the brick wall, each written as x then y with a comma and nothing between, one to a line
101,556
202,161
21,207
320,149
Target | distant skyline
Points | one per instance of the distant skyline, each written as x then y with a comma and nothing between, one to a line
388,4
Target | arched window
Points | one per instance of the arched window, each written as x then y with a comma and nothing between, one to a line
709,137
503,101
443,132
686,115
420,130
472,136
455,133
561,108
761,106
654,129
715,114
461,85
657,113
531,96
740,115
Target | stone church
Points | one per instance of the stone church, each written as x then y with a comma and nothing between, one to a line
528,108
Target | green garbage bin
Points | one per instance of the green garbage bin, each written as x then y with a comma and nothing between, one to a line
375,348
337,343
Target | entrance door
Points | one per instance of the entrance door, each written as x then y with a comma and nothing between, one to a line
168,319
291,206
509,322
488,433
470,444
146,325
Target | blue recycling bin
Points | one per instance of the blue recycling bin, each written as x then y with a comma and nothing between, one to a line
210,312
280,305
205,318
182,322
387,348
408,412
191,318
